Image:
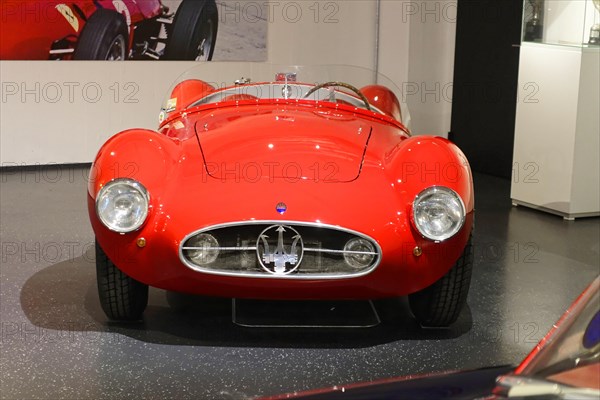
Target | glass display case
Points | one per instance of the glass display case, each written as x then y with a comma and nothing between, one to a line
557,130
562,22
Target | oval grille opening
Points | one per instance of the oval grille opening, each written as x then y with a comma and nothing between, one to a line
292,250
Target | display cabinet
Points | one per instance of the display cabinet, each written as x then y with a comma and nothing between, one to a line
556,166
562,22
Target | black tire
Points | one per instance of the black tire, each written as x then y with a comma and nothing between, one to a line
122,298
440,304
194,31
104,37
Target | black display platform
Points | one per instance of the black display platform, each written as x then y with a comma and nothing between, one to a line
304,314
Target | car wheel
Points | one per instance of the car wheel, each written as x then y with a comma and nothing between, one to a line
440,304
194,31
122,298
104,37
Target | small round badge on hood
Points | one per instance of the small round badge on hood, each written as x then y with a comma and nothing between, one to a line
281,208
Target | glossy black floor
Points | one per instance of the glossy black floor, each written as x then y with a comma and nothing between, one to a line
56,343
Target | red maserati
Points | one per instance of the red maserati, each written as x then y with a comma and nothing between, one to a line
274,182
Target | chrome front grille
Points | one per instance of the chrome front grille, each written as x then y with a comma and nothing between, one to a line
276,249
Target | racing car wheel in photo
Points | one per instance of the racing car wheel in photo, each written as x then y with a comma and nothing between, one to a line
111,30
194,31
105,37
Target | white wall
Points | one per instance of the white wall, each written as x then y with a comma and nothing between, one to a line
431,66
342,32
394,31
53,112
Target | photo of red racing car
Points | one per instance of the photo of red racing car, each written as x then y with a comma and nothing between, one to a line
108,30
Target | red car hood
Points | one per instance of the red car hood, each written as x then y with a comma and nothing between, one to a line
294,145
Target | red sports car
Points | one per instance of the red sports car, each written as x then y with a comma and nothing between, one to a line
273,186
107,30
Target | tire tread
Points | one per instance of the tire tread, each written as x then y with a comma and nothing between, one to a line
184,26
441,303
121,297
101,25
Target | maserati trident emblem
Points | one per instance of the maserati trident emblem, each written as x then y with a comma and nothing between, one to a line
281,208
282,257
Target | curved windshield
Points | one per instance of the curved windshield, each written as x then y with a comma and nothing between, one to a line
211,83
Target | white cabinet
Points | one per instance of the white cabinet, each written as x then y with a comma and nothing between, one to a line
557,133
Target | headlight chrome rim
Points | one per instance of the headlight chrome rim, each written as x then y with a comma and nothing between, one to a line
135,185
432,190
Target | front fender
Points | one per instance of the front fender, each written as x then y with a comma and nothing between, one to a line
143,155
154,160
412,166
424,161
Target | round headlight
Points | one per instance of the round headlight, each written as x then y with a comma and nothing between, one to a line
438,213
122,205
359,253
202,249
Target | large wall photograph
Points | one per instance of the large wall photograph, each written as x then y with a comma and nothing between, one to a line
190,30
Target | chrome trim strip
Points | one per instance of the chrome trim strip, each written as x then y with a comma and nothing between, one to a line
341,251
261,275
222,248
305,249
62,51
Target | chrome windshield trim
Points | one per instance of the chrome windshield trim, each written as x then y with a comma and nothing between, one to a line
260,275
